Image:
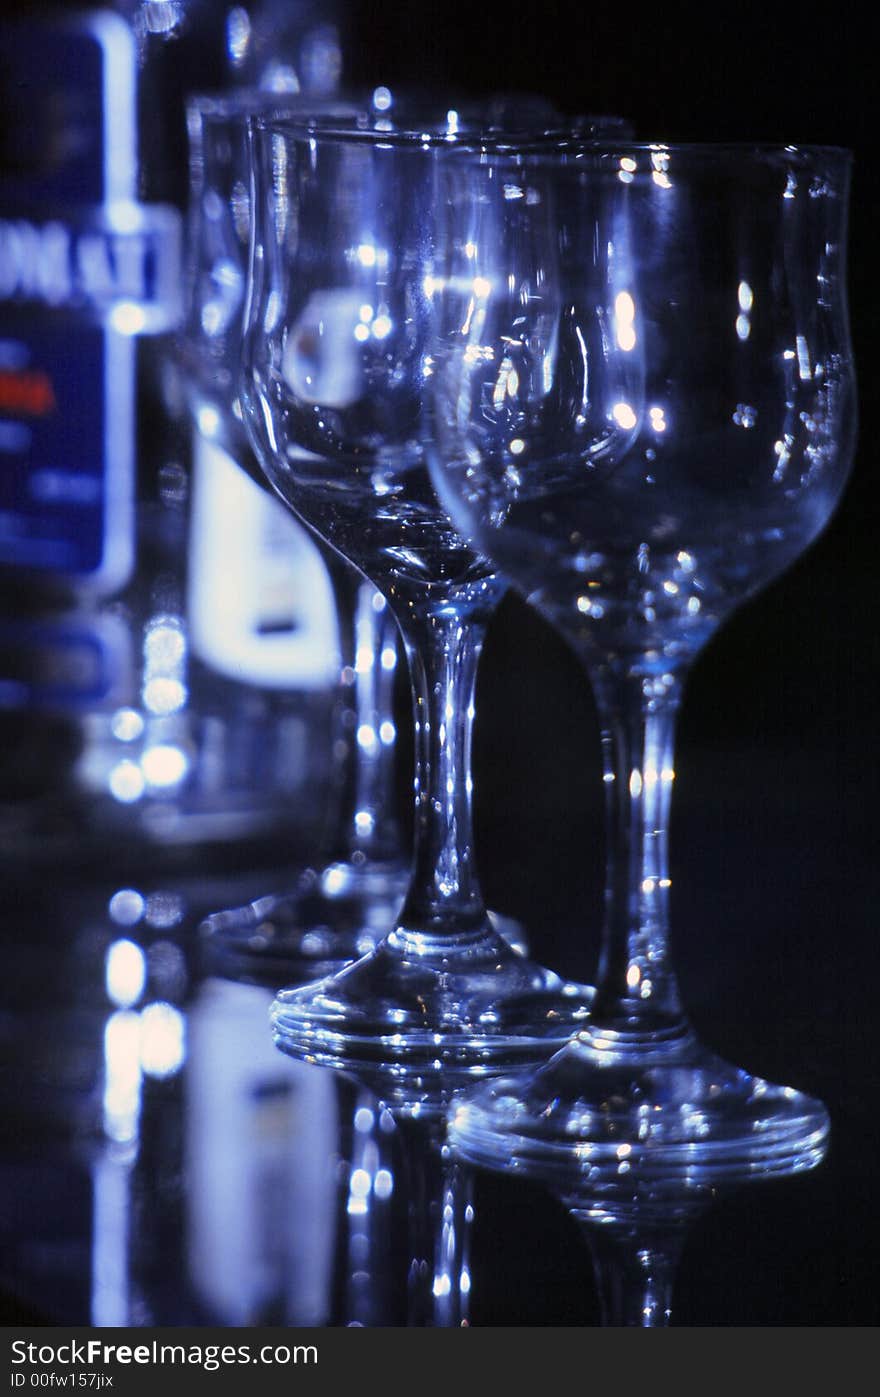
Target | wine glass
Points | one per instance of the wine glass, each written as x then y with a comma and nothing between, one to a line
333,385
643,412
344,632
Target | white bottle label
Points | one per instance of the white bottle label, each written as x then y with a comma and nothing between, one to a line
261,606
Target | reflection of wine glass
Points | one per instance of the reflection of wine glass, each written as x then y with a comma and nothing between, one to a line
644,412
333,386
405,1221
320,623
636,1221
407,1218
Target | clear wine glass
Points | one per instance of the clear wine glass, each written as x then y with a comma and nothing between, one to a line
333,386
339,908
643,409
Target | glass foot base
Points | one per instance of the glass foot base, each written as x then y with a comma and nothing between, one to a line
604,1122
323,924
422,1010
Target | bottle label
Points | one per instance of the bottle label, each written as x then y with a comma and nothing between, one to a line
119,265
260,604
66,450
84,268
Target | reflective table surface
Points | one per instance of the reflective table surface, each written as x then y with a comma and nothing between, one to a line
161,1163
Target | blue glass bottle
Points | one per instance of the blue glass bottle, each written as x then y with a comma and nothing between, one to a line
124,726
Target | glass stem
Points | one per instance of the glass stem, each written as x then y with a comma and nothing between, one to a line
634,1276
444,896
373,830
636,989
366,824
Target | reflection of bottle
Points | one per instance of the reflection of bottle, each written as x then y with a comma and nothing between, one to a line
160,1161
261,1136
93,1038
113,724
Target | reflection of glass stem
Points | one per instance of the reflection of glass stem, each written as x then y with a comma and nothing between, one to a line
367,1238
444,896
432,1287
634,1273
440,1211
366,824
636,988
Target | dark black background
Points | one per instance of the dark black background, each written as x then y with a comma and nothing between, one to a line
773,840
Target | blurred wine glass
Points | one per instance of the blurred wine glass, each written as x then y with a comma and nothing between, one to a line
317,623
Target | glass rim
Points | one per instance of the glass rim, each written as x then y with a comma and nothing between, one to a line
258,102
332,110
477,126
556,137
